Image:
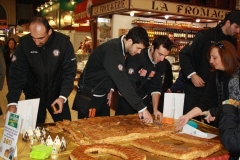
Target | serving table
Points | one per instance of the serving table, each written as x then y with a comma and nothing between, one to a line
24,148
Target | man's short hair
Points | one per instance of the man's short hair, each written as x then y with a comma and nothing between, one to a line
162,40
138,35
233,17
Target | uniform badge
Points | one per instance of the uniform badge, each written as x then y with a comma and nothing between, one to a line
56,52
130,71
190,43
142,72
152,73
120,67
14,58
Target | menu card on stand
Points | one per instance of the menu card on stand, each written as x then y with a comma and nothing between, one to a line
28,111
10,136
173,106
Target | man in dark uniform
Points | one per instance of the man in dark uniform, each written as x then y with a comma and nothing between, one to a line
145,72
106,65
43,66
193,59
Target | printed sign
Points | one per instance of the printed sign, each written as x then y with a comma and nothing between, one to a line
10,135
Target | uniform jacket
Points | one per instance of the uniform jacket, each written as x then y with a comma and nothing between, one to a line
168,76
152,81
2,70
193,57
107,63
42,72
229,128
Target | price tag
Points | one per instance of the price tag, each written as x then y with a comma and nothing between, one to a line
10,135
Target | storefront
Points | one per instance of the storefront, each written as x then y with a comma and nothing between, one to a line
158,18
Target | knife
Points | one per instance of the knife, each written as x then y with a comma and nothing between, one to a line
157,123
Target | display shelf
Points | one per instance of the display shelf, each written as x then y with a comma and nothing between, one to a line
167,26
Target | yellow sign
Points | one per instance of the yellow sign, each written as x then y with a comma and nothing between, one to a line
178,8
110,7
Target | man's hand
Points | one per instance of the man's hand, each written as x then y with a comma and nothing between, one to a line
60,102
157,115
181,122
145,116
169,90
109,97
197,81
11,108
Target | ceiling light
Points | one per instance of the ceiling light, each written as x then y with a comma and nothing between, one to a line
197,20
52,23
149,12
46,5
50,2
42,7
67,19
73,2
38,9
132,13
166,16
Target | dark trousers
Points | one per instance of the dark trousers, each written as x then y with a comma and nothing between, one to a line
101,106
193,96
56,117
124,107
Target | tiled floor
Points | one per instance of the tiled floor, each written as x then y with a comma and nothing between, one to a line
3,104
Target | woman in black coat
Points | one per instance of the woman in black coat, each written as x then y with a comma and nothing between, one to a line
222,96
8,53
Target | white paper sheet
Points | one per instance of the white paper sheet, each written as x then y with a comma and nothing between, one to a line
28,109
187,129
173,105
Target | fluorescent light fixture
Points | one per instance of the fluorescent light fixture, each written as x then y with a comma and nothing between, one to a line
105,20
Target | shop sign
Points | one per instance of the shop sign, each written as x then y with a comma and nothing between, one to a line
180,9
110,7
82,11
3,24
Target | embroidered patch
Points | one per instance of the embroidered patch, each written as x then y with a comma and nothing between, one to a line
142,72
130,71
14,58
120,67
56,52
152,73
